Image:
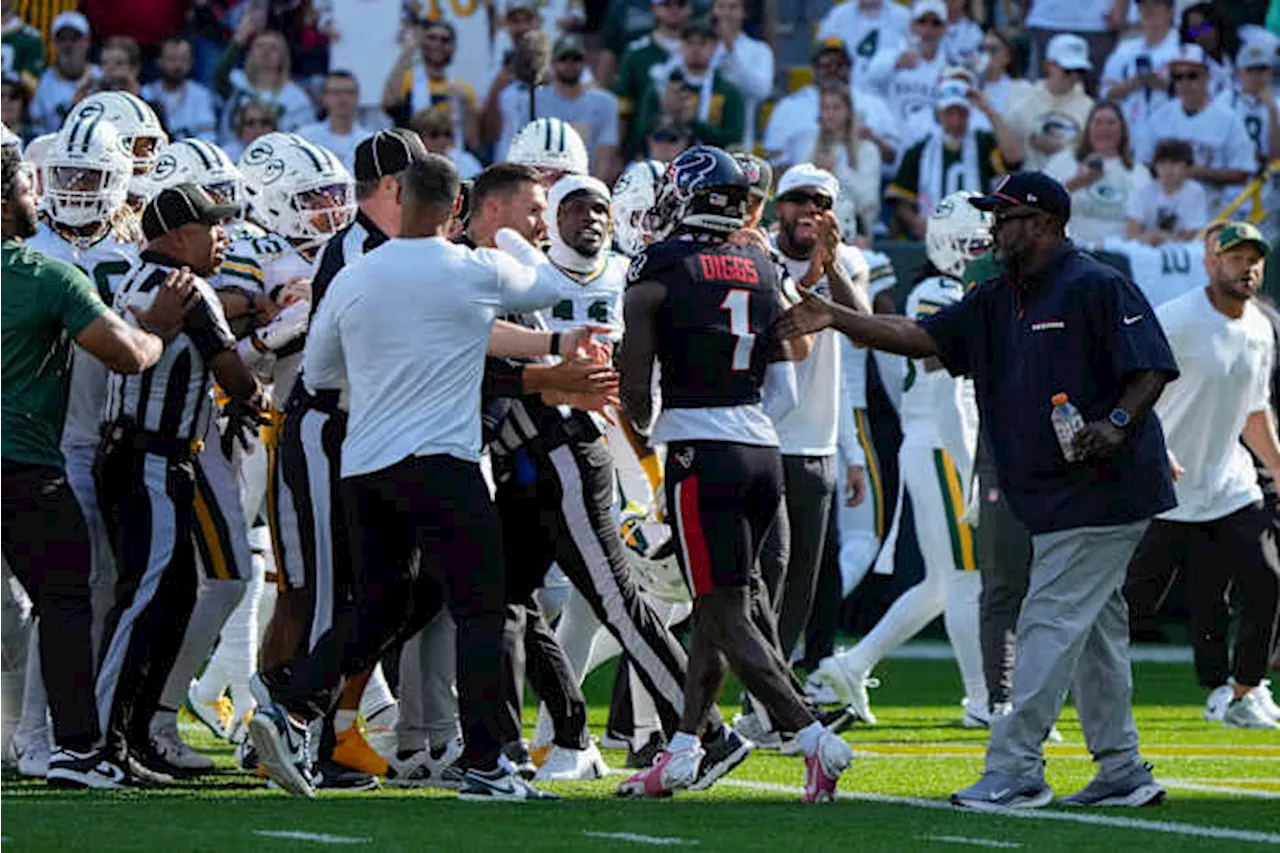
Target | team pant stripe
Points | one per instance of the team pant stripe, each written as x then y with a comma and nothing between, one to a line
953,501
644,655
320,483
212,533
873,470
273,514
163,525
693,543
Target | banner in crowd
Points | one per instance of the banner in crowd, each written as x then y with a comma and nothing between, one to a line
366,45
1162,272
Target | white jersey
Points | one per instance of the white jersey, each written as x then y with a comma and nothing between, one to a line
1216,135
593,299
1130,58
910,92
106,262
866,37
938,409
1253,112
473,46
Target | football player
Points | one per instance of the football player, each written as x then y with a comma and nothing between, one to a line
138,125
703,307
552,147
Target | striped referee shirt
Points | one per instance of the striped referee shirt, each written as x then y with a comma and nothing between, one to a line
174,398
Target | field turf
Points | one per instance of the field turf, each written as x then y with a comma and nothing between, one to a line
1224,794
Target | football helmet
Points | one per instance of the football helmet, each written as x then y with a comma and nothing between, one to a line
651,555
704,190
633,195
137,124
86,172
194,161
956,233
9,139
296,189
551,146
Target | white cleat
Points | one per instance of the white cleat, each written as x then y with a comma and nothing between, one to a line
1248,712
572,765
818,692
753,727
976,715
176,753
1216,705
1269,706
822,769
671,772
850,685
31,757
218,715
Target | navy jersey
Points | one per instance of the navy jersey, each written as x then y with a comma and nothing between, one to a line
715,330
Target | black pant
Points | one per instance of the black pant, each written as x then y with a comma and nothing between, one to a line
1239,549
564,513
824,616
146,502
1002,546
46,545
423,533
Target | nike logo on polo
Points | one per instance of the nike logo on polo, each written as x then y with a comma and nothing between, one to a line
1129,321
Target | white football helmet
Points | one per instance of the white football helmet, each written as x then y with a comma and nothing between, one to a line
956,233
651,555
633,195
296,189
36,152
194,161
86,172
137,124
552,147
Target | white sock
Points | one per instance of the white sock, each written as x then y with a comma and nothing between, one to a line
961,617
682,741
644,713
377,693
236,656
908,616
809,737
214,603
35,702
344,719
577,632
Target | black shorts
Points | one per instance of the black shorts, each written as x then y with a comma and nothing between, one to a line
721,498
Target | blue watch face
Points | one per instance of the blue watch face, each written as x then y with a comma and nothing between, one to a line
1120,418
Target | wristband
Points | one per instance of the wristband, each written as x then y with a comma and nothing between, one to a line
555,343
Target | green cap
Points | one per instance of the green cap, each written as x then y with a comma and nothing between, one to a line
1239,233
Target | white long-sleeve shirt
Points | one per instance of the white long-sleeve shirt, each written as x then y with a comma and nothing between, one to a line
749,66
407,327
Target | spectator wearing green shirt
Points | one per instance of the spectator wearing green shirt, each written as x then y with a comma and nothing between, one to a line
642,54
45,306
23,49
686,88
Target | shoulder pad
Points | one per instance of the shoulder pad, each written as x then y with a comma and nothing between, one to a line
654,259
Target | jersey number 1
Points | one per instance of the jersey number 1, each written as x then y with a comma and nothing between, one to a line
738,304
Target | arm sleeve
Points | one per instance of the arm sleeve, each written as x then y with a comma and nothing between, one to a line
206,326
780,392
502,378
952,330
222,71
322,363
520,288
80,303
851,398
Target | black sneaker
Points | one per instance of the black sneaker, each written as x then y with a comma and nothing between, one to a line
639,759
70,769
722,755
332,776
499,785
837,720
283,744
142,770
152,758
517,752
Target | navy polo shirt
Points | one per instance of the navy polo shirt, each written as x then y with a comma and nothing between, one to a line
1075,326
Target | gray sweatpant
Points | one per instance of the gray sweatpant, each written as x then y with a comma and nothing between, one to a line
428,699
1073,632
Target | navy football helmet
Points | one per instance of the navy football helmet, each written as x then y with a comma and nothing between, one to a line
703,191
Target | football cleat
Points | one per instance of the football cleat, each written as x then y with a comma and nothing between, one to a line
31,757
819,692
218,715
722,755
353,751
975,716
638,759
332,776
1269,705
822,769
68,769
1215,707
517,752
572,765
433,768
282,743
671,772
755,727
1248,712
849,684
174,755
502,784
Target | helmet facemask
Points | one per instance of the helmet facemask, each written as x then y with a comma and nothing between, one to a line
78,196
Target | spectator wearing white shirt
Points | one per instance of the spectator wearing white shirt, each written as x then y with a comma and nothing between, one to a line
1098,22
1205,25
339,132
1220,533
70,69
1224,153
1052,115
189,109
1253,100
265,76
998,71
1172,208
253,119
908,78
745,62
840,149
434,126
788,137
963,40
1101,176
868,28
1136,75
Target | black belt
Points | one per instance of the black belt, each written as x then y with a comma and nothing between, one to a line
326,401
128,436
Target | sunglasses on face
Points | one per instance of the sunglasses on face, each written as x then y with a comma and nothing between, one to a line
1186,75
438,39
440,134
571,57
1200,30
929,22
821,201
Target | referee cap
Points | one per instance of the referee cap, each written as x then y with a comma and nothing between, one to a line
387,152
182,205
1239,234
1027,189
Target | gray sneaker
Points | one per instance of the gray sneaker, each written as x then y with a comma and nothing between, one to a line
1135,788
999,791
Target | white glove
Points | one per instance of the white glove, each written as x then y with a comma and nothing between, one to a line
289,325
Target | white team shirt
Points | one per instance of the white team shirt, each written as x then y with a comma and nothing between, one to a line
909,92
594,299
52,100
866,37
811,428
1187,209
750,68
793,124
1122,64
190,111
1216,134
106,262
1225,367
1253,112
407,328
1073,16
342,146
1098,211
938,410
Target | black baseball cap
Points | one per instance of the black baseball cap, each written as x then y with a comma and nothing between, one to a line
387,152
1027,189
182,205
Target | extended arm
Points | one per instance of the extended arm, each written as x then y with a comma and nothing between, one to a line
880,331
639,346
1260,436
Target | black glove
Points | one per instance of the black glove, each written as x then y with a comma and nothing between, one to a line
244,419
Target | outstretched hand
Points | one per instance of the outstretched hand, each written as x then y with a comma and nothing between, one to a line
581,343
811,314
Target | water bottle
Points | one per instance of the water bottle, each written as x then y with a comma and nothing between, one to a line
1067,421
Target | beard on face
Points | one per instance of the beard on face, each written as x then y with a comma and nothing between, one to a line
25,221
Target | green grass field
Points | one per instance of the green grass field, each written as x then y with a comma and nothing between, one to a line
1224,794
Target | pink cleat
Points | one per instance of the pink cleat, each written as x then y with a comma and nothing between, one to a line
822,769
670,772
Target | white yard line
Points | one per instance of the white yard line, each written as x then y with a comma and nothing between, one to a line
939,650
317,837
1230,790
972,842
655,840
1084,817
